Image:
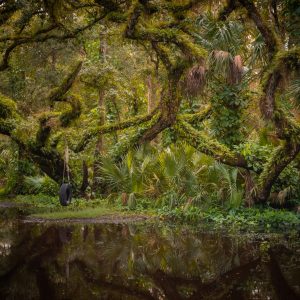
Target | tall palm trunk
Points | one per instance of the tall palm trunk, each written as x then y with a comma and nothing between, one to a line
151,93
99,149
153,98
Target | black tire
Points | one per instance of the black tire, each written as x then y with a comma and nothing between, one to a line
65,194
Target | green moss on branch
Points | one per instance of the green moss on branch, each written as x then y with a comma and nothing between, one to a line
287,126
70,115
111,128
133,140
277,162
209,146
57,93
8,115
289,60
283,60
161,35
7,126
267,33
196,118
7,107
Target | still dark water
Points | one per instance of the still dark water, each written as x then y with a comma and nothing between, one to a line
143,261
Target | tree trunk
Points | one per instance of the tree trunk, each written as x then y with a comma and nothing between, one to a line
85,178
115,106
152,97
169,107
280,159
249,187
99,150
152,93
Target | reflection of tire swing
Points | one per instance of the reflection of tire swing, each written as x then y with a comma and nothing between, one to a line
65,191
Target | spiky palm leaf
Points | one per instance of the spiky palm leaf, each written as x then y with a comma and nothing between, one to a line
293,91
229,188
219,35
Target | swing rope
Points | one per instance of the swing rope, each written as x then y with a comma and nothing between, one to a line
66,164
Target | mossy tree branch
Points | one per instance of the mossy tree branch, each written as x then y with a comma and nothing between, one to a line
65,118
283,60
161,35
280,158
48,159
8,115
42,35
45,156
132,122
230,6
268,35
286,127
57,93
209,146
197,117
135,138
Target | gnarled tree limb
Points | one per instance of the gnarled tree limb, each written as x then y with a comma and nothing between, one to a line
209,146
111,128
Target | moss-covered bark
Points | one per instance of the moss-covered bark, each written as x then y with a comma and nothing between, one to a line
108,128
287,128
99,149
281,157
46,156
58,93
8,114
197,117
281,62
209,146
134,139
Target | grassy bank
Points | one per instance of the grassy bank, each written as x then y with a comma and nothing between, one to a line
244,219
47,207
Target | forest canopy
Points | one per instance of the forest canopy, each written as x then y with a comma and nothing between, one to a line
151,96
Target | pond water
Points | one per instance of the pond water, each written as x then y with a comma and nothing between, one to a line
143,261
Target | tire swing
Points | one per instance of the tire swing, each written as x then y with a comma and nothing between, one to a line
65,191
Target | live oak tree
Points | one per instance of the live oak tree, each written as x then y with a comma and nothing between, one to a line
189,62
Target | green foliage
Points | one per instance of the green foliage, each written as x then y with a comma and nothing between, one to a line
221,35
258,155
11,167
168,137
289,181
254,219
263,219
255,154
40,185
228,104
291,13
7,107
294,90
176,176
132,201
229,187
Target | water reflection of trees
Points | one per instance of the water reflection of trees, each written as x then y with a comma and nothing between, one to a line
138,262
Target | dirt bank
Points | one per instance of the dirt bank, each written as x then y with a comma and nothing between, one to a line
109,219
